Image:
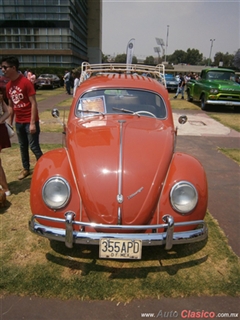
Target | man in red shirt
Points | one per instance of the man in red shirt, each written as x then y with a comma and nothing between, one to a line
22,99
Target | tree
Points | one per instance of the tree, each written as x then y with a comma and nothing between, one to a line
225,60
204,62
104,58
236,59
149,60
178,56
121,58
193,57
134,60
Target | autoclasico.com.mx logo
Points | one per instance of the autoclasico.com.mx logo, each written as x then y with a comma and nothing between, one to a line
189,314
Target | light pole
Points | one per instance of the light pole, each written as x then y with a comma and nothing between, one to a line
158,50
210,50
166,43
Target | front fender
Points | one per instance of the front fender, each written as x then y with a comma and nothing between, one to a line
53,163
190,89
185,167
190,84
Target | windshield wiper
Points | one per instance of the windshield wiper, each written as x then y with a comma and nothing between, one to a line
123,110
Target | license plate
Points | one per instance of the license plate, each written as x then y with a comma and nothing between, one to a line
120,249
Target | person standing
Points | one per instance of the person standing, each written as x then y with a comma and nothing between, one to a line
76,82
22,100
29,75
181,85
4,141
67,81
33,80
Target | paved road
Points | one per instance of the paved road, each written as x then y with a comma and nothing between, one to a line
17,308
201,138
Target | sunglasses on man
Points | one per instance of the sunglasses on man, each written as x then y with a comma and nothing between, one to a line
6,67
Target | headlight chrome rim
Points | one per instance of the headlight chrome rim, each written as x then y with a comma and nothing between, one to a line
184,197
56,192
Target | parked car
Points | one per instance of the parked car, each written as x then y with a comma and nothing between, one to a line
3,81
171,82
118,181
216,86
48,81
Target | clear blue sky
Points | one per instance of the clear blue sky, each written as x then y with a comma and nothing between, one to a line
191,25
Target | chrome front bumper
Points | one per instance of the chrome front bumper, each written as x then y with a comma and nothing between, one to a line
167,238
223,102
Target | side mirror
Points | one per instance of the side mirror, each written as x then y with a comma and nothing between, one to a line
55,113
182,119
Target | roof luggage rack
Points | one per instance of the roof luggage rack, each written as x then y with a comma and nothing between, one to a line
89,70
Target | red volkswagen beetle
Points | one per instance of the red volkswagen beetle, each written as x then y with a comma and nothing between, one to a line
118,181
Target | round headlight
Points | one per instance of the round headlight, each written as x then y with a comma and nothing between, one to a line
183,197
56,192
214,91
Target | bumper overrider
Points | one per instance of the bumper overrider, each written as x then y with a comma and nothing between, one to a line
167,238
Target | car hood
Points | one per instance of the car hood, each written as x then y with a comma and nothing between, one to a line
226,85
120,166
172,80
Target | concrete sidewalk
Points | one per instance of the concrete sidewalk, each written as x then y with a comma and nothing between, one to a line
201,138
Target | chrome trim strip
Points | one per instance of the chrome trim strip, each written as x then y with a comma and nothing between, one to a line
222,102
120,164
168,238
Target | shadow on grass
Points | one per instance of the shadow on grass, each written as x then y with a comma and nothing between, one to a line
19,186
16,187
134,268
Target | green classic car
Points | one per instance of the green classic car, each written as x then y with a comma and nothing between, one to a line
216,86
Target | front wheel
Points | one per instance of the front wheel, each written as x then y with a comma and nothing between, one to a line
237,109
189,98
203,103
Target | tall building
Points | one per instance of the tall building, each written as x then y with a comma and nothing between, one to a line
60,33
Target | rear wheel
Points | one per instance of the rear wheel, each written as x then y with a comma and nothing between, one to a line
203,103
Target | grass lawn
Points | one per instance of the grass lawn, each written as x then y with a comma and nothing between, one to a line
32,265
231,120
233,154
42,94
50,124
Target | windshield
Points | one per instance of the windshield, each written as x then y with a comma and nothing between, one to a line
170,77
112,101
221,75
